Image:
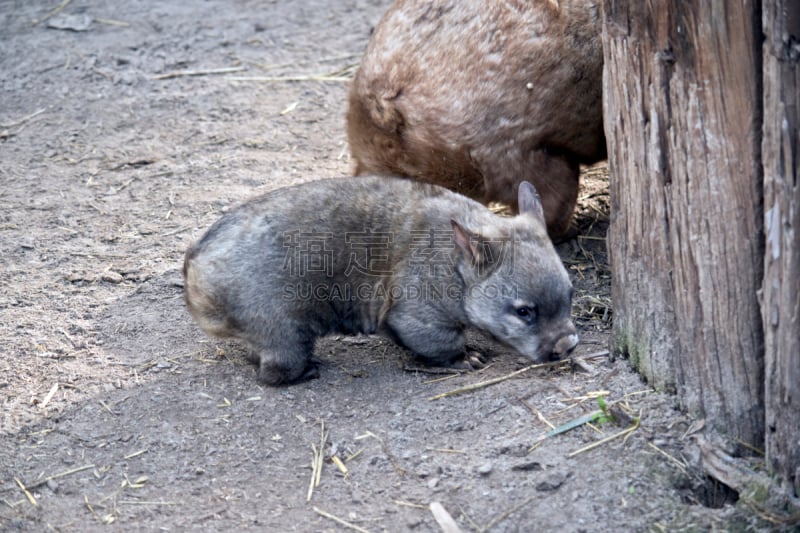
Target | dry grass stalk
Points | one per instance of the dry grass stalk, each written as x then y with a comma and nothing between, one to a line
505,515
89,506
593,395
343,74
697,425
55,11
679,464
107,408
61,474
307,62
450,372
201,72
103,74
572,424
289,108
25,491
320,458
438,380
340,521
138,483
353,455
112,22
591,307
623,433
22,120
410,504
469,519
136,454
280,79
370,435
494,381
176,231
145,502
340,465
317,459
596,355
434,370
751,447
347,70
448,450
313,482
443,518
49,396
538,414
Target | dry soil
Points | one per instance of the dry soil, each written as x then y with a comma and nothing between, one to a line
126,129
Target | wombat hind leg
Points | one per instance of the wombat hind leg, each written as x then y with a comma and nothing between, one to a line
282,363
275,371
283,352
556,177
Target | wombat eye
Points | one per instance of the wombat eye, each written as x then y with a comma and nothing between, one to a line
524,312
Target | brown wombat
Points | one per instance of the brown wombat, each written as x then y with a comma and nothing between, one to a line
378,255
479,95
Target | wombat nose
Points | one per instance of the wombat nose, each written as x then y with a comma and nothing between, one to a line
564,345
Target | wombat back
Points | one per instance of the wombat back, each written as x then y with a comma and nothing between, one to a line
479,95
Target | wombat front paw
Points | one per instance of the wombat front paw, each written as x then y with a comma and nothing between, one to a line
272,374
472,360
475,359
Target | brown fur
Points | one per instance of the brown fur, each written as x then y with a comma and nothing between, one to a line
480,95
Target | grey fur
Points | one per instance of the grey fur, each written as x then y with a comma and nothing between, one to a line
290,266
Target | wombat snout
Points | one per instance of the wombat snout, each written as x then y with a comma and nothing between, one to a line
564,346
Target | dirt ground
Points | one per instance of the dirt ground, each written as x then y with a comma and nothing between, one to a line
117,411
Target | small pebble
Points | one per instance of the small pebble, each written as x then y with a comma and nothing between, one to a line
414,522
532,465
112,277
485,469
552,481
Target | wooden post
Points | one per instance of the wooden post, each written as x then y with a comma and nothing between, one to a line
682,107
781,309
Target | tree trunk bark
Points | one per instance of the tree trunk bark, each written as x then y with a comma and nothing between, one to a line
781,308
682,105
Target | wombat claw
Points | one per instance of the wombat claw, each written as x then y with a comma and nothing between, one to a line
475,359
472,360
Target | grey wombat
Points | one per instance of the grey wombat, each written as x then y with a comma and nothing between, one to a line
479,95
374,254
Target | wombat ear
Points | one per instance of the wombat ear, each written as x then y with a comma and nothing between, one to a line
468,242
529,201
